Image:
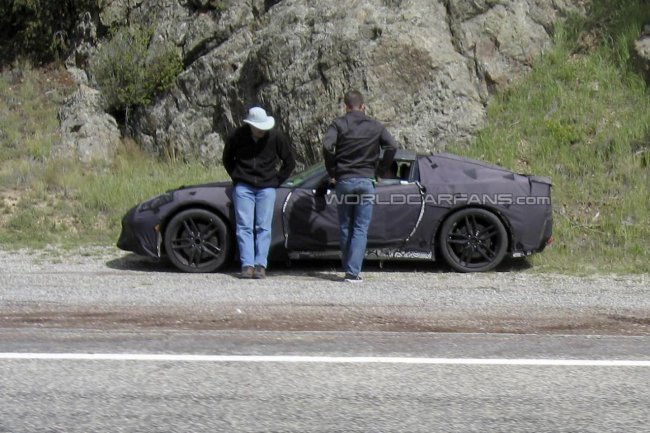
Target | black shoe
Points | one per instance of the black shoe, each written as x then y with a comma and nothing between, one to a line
259,273
246,272
349,278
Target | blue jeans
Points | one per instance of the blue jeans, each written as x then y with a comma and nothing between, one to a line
253,216
355,201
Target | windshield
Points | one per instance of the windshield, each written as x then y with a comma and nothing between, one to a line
310,172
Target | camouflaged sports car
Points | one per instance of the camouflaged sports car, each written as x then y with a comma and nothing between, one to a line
470,213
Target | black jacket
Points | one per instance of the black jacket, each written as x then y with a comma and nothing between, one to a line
255,163
352,144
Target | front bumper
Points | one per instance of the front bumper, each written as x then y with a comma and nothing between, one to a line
139,233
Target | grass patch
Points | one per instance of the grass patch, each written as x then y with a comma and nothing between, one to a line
44,200
582,117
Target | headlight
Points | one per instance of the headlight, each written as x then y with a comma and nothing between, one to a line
155,203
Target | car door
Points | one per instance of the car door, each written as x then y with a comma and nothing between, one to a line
311,220
397,210
311,217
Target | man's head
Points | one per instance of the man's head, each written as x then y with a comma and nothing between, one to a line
354,101
259,121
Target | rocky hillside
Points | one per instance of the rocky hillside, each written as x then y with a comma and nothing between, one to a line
427,67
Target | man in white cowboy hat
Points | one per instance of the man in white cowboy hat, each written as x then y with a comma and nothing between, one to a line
251,158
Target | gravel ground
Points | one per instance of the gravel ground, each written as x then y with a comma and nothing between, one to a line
107,288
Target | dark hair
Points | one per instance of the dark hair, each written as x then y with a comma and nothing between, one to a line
353,99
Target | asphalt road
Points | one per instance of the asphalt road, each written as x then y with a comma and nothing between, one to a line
323,382
106,342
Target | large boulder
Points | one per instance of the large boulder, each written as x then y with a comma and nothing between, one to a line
88,132
426,67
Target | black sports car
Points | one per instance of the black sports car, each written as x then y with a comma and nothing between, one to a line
471,213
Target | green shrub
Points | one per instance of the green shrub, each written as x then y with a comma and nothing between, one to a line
130,70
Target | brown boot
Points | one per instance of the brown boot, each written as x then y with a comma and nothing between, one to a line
260,272
246,272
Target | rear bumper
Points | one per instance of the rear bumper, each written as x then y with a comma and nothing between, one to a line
535,233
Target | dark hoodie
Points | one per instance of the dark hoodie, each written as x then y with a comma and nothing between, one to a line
352,144
254,162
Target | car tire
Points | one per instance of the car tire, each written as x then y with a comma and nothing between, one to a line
473,240
197,240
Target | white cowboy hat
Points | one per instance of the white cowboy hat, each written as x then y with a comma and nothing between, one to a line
258,118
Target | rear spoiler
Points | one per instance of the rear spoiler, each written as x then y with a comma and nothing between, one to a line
540,179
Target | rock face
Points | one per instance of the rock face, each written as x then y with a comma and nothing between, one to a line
88,132
426,67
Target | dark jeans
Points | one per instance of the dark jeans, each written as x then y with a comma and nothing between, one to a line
356,198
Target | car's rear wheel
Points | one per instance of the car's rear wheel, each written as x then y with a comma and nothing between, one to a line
197,240
473,240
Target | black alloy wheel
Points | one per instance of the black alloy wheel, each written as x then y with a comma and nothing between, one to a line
197,240
473,240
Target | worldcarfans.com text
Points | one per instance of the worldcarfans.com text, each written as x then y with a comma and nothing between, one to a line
443,200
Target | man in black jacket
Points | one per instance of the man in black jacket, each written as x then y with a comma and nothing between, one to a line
351,148
250,157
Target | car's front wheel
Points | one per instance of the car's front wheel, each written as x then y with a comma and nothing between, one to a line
473,240
197,240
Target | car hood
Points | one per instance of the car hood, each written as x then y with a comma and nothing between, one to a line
223,184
